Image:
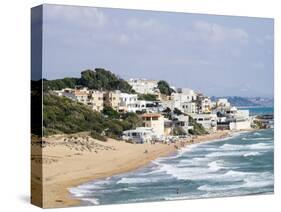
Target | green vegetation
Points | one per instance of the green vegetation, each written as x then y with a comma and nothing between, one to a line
93,79
164,88
198,129
98,136
60,83
178,131
147,97
110,112
62,115
167,113
177,111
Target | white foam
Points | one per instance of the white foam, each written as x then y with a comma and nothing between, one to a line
94,201
250,180
214,166
256,133
252,154
79,192
137,180
258,184
226,153
126,180
193,162
246,147
257,139
218,187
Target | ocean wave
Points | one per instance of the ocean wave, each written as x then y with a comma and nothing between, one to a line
250,180
246,146
257,133
226,153
203,173
93,201
218,187
79,192
214,166
252,154
257,139
193,162
141,180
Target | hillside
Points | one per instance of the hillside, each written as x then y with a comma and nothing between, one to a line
99,79
61,115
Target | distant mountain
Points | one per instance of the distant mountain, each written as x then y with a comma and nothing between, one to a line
247,101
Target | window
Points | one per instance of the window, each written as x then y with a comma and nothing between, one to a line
154,118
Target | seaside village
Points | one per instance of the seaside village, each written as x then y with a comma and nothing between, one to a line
213,116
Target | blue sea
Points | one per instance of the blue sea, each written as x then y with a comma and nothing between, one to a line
239,165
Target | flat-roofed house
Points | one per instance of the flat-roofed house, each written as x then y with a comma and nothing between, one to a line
208,121
112,99
139,135
155,121
96,100
81,95
126,100
189,107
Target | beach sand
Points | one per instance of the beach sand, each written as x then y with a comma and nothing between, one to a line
70,160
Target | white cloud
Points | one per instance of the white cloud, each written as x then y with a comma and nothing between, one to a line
190,61
213,32
149,26
82,17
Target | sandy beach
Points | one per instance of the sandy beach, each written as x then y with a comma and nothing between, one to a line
70,160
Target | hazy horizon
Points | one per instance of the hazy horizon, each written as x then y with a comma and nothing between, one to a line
216,55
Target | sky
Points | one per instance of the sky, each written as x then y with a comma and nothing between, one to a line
212,54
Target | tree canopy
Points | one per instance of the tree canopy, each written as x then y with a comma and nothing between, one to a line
98,79
147,97
164,88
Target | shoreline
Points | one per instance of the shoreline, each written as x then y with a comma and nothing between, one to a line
87,166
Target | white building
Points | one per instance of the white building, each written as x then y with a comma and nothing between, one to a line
189,107
77,94
144,106
143,86
184,95
126,99
208,121
139,135
242,120
206,105
223,103
189,94
235,119
155,121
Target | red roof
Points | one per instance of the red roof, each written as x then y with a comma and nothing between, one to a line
151,115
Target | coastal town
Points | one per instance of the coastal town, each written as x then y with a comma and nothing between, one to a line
181,105
104,126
